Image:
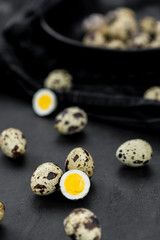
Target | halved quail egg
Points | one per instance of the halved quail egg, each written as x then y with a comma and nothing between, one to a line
74,184
44,102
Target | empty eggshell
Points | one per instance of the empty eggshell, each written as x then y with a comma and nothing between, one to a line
134,153
82,224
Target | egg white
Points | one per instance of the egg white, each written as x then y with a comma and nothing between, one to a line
37,109
86,187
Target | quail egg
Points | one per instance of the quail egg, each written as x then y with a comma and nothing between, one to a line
74,184
152,93
134,153
13,142
59,80
82,224
71,120
44,102
79,158
45,179
2,211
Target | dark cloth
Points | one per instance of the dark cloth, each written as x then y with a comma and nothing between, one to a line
28,54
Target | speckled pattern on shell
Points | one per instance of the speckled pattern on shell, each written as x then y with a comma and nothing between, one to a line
134,153
12,142
2,211
93,22
82,224
141,40
148,25
116,44
58,80
71,120
45,179
79,158
152,93
94,38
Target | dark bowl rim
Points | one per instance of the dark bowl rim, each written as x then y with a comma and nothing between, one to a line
66,40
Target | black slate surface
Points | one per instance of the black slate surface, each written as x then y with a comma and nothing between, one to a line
125,200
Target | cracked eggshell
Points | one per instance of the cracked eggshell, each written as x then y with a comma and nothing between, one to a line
12,142
82,224
2,211
134,153
45,179
71,120
79,158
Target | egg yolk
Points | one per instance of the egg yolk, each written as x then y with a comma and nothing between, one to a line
74,184
44,101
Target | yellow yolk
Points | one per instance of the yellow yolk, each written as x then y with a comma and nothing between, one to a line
74,184
44,101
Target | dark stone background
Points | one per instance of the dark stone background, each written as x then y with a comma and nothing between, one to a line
125,200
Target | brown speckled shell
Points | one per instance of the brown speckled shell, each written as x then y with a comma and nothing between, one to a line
79,158
71,120
82,224
13,142
45,179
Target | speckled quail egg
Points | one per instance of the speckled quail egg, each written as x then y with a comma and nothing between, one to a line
116,44
148,25
71,120
94,38
118,31
59,80
122,12
93,22
79,158
82,224
152,93
44,102
12,142
45,179
74,184
134,153
141,40
2,211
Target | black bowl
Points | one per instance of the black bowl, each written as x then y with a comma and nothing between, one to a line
63,24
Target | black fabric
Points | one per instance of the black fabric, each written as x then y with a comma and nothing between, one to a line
108,84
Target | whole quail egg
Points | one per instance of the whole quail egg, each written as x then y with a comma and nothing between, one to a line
134,153
95,38
58,80
2,211
93,22
45,179
79,158
74,184
148,24
152,93
12,142
82,224
71,120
